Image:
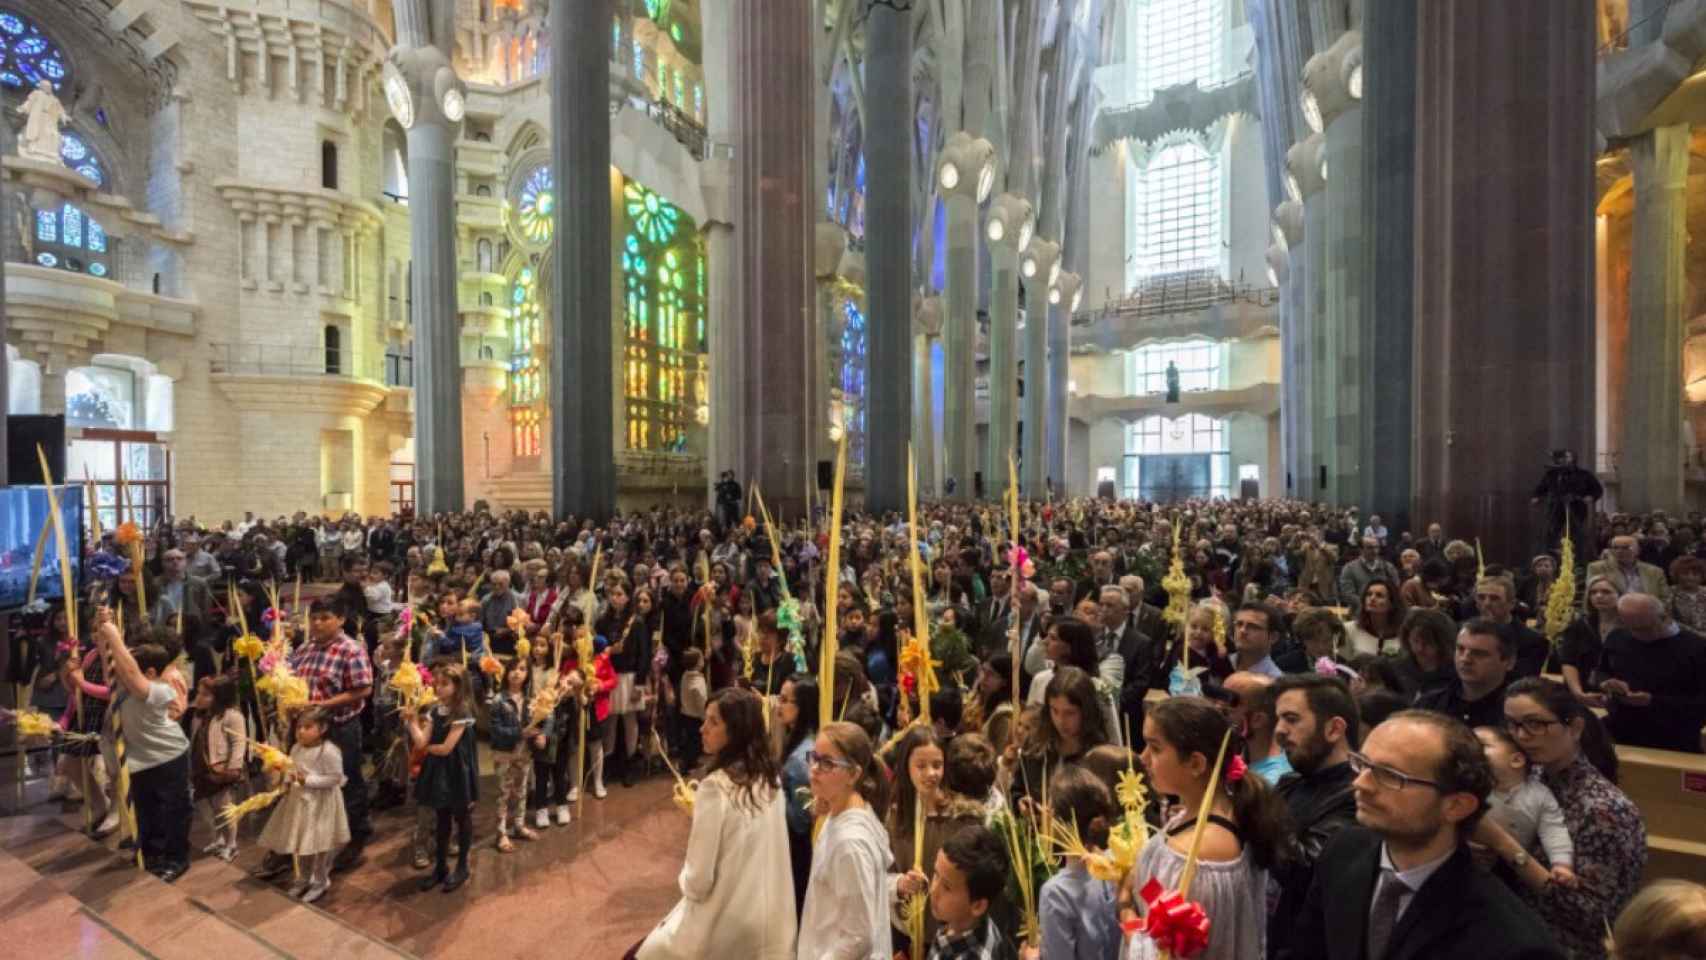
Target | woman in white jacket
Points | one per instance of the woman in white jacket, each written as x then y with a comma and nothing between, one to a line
737,870
846,914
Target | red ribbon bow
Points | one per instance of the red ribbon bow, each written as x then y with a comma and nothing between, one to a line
1177,925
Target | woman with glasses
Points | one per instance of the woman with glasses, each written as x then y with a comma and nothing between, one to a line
737,853
846,912
1559,735
797,710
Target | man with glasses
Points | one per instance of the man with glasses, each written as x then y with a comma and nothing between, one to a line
179,592
1626,571
1495,600
1401,884
1485,658
1255,627
1315,723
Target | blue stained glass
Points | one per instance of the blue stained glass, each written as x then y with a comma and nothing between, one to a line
47,226
29,58
72,148
47,259
71,220
93,173
639,59
97,238
699,100
98,269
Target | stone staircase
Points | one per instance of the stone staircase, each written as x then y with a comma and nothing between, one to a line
63,895
527,491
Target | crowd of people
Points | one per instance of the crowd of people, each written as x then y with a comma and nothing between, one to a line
1354,741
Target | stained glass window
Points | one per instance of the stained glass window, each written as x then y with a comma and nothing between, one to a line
639,59
538,206
525,376
27,56
663,353
67,236
699,101
853,378
76,153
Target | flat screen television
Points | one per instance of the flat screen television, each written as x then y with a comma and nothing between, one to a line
23,516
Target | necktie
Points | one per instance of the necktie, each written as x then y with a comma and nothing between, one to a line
1383,916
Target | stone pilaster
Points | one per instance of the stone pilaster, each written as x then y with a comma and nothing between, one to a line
959,339
1003,368
888,246
582,383
1650,469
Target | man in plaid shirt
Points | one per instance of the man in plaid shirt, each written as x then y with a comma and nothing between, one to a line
971,873
340,679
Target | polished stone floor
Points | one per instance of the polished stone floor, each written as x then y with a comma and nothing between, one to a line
590,889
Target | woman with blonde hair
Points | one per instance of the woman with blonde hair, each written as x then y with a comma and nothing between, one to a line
1665,921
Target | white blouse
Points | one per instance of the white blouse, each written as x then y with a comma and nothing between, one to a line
847,898
736,872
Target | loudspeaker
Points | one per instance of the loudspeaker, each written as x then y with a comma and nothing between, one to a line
977,483
825,474
23,433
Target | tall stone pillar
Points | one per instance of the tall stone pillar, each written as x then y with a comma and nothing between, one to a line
771,86
1303,173
1344,284
1650,469
1039,267
1063,303
582,384
1503,260
888,247
1388,251
959,341
427,99
927,326
1009,232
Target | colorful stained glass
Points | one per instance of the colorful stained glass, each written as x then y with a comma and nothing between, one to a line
98,269
97,239
526,371
71,226
47,226
663,363
538,206
27,56
853,344
47,259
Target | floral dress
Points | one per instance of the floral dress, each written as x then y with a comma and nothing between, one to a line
1611,851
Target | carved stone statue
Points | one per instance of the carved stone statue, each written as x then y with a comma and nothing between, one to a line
40,139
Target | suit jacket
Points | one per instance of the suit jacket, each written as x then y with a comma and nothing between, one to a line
1460,911
1652,578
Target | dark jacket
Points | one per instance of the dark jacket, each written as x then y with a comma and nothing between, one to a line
1460,912
1489,711
508,721
1321,805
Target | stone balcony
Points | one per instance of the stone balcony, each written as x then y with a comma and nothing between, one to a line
1262,399
61,319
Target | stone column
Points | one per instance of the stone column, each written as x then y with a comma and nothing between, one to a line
1343,276
1320,452
1038,268
582,385
424,36
888,257
1003,337
1388,251
1059,375
1503,260
1650,474
927,327
959,341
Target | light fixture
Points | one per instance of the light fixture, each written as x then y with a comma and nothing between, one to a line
1292,190
1041,259
453,105
1353,82
1010,219
1323,167
1068,290
398,96
964,154
702,413
1312,110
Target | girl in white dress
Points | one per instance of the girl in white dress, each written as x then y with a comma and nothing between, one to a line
310,821
736,883
846,914
1245,831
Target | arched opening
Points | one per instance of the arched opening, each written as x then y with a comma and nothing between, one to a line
334,350
483,255
328,165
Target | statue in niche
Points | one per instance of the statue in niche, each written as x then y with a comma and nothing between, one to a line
25,218
45,115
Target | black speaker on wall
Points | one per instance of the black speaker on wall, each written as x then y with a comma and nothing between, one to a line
825,474
23,433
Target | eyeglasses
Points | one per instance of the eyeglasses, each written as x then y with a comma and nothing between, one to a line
824,763
1387,777
1533,726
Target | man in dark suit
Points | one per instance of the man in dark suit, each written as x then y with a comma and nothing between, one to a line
1401,886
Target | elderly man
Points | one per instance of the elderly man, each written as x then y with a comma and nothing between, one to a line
179,593
1101,575
495,611
1628,573
1656,678
200,563
1367,567
1142,654
1495,599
